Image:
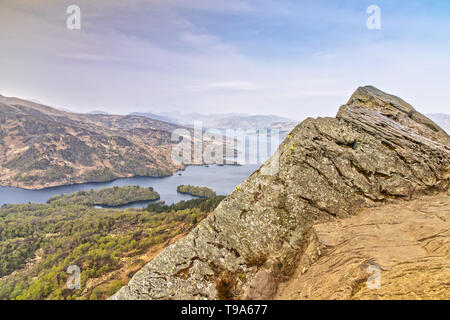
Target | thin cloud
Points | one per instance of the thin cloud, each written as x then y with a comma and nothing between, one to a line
292,58
233,85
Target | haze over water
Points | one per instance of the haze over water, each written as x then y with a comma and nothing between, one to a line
222,179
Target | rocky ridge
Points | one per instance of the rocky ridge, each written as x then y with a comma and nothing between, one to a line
378,150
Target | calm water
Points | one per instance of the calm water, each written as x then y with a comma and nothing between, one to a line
222,179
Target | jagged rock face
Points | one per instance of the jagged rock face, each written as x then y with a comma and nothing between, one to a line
377,150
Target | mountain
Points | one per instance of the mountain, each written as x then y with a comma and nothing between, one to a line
441,119
155,116
378,151
40,241
98,112
232,121
42,147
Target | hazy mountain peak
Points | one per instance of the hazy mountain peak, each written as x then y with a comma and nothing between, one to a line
232,121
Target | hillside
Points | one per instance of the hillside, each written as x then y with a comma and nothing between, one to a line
202,192
155,116
38,242
377,151
43,147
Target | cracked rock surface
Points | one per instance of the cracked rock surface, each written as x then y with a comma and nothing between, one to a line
377,150
406,245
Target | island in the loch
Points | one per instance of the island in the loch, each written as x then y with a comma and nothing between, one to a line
202,192
110,197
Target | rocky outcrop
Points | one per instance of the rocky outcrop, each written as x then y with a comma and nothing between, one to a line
398,251
377,150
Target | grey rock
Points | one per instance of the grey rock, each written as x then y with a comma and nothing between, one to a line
377,150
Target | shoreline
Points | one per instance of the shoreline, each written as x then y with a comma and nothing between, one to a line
119,207
117,178
193,195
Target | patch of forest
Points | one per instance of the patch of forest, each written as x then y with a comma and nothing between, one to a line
111,197
202,192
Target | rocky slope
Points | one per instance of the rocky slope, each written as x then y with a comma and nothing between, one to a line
443,120
42,147
376,151
409,243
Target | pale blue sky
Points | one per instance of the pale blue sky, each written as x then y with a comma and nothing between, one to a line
292,58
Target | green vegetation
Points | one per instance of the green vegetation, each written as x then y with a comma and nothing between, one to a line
45,151
40,241
111,197
202,192
99,175
205,205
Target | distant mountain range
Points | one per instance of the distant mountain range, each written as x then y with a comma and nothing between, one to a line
225,121
156,117
42,147
441,119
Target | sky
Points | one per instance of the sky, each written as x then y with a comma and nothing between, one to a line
292,58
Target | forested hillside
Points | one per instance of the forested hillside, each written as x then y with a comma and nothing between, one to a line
38,242
202,192
111,197
43,147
